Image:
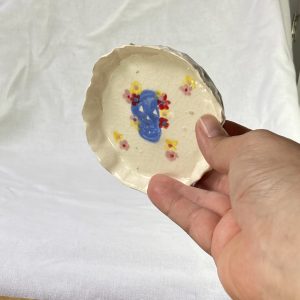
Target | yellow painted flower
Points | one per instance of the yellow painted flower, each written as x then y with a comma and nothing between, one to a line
164,113
158,93
189,81
136,88
171,144
118,136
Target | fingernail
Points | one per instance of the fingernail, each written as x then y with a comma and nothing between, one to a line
210,126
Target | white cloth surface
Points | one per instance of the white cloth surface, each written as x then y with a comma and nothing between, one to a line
70,230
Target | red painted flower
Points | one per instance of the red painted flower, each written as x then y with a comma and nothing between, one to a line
124,145
163,97
163,123
135,99
163,102
171,155
186,89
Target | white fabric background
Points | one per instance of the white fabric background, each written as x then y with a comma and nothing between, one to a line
68,229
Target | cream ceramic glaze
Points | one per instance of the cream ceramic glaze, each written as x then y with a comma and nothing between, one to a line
113,131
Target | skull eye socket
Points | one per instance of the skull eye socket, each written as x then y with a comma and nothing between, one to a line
141,109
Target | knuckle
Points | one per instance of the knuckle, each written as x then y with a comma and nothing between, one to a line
258,136
190,228
174,206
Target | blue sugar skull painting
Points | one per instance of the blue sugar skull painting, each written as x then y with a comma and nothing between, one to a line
149,116
149,110
146,110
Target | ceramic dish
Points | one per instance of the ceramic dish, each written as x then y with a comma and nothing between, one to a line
140,113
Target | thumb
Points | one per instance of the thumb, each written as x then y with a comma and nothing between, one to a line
217,147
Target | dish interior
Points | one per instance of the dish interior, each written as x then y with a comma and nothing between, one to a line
150,101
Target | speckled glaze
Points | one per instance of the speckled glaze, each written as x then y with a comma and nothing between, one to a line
137,91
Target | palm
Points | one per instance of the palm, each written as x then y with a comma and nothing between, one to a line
235,258
245,212
204,212
231,247
205,215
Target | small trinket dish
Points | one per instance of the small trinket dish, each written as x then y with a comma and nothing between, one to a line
140,113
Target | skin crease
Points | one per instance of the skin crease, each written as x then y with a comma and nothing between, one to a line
245,212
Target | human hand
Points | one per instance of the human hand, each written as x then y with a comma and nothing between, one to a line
245,212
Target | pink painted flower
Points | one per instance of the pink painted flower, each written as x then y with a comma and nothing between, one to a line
124,145
134,122
127,96
186,89
171,155
134,118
